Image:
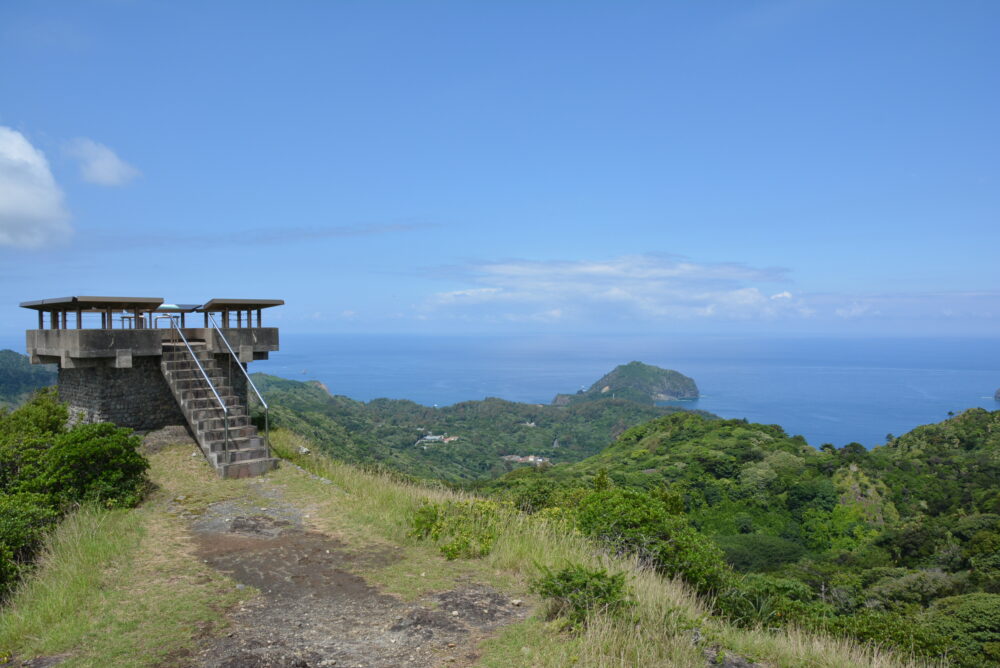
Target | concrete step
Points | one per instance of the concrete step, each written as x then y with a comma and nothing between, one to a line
181,370
185,356
213,411
242,443
195,395
245,431
176,352
198,383
219,422
234,456
248,469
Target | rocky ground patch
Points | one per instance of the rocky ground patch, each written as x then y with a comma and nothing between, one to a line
314,610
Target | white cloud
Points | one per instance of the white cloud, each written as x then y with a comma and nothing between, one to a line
854,310
637,286
99,164
32,213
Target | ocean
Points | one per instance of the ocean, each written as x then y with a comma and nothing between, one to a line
828,390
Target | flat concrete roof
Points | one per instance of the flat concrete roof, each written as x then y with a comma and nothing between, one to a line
94,303
239,304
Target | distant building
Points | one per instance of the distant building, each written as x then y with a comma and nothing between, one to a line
527,459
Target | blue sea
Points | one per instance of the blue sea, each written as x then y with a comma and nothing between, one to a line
828,390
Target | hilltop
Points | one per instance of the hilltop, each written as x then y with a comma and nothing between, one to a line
635,381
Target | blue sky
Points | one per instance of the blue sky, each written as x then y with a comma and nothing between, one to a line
468,167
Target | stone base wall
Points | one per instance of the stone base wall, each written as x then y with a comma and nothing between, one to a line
138,397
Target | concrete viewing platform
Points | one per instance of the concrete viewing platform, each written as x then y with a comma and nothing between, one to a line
76,332
139,363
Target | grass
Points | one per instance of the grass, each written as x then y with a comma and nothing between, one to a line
123,588
668,615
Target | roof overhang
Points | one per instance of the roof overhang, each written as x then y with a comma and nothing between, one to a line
214,305
94,304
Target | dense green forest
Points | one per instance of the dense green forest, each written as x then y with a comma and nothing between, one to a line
403,435
898,545
19,378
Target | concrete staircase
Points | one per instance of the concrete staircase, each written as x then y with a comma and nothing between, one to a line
247,452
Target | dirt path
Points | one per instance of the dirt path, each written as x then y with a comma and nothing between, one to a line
314,610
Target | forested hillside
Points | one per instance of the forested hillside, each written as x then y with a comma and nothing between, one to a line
19,378
900,544
465,441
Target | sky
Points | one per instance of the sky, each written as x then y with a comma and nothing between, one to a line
430,167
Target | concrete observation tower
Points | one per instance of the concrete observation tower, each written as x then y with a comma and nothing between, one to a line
140,363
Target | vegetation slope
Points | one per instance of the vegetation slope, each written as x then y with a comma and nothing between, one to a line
462,442
19,378
899,545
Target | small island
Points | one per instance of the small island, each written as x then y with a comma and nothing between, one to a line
638,382
996,395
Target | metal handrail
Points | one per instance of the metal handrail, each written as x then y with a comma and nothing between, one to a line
222,404
267,422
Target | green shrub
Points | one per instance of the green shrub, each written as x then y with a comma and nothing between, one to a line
770,601
576,592
42,415
466,529
19,458
25,434
919,587
983,553
890,629
635,522
758,552
9,571
971,624
94,462
24,518
529,494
